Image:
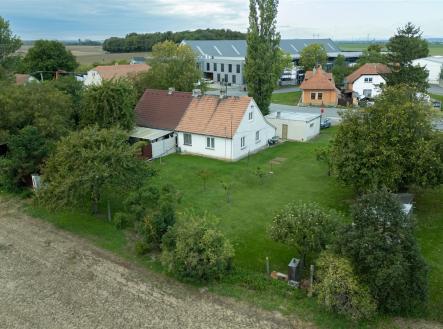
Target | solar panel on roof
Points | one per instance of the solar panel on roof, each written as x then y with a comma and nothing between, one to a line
293,47
216,49
235,49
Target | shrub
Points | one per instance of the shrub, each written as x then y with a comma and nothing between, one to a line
305,226
195,249
381,245
339,290
141,248
122,220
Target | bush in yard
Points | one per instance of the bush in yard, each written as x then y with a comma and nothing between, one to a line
195,249
304,226
338,288
152,210
381,245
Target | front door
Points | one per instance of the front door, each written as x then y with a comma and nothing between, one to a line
284,132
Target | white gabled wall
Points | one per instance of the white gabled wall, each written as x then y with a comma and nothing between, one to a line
230,149
248,129
222,146
360,84
93,78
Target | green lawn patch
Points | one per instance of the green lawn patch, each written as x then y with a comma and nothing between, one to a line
291,98
293,174
437,97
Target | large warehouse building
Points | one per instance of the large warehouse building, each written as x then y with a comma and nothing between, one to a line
224,60
434,64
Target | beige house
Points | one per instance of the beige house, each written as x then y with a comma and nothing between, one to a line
319,88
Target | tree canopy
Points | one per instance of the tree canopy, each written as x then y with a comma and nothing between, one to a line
373,54
340,70
403,48
39,105
381,246
306,227
389,144
265,61
109,104
48,56
171,66
145,42
86,163
312,56
9,43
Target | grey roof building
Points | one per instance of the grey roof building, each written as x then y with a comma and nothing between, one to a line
223,60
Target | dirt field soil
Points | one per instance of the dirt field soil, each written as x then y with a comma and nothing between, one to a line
51,280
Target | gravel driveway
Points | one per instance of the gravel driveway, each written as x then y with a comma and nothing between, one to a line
50,279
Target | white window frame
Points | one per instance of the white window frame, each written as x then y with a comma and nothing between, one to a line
190,139
243,142
251,116
369,80
257,136
210,143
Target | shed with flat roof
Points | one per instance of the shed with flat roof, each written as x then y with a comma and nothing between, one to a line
295,126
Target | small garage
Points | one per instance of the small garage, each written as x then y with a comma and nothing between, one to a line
295,126
160,142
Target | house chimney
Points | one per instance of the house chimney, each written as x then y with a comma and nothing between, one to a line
196,92
171,90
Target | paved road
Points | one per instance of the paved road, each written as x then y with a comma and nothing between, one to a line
434,89
50,280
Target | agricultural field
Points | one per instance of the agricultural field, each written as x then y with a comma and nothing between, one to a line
293,174
434,48
87,55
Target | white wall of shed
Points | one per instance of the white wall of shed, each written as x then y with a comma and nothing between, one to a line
297,130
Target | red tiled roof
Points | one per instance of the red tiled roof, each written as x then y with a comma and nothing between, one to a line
368,69
210,115
318,80
21,79
157,109
108,72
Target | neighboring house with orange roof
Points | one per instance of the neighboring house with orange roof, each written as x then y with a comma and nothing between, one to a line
365,82
227,128
319,88
108,72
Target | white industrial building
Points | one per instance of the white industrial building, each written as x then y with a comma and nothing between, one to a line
224,60
434,64
295,126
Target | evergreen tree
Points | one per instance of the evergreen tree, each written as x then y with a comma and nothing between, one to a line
264,60
403,48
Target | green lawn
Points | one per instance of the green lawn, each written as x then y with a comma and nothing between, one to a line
299,176
437,97
291,98
434,48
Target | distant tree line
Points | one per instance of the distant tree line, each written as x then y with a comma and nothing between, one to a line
145,42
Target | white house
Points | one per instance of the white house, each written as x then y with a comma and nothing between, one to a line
108,72
295,126
365,82
227,128
434,64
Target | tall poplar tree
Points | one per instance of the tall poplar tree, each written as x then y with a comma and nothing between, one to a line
264,60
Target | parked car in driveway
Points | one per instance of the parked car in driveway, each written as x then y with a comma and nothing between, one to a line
325,123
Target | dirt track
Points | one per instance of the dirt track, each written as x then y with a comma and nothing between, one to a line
51,280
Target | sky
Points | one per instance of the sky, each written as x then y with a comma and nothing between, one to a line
100,19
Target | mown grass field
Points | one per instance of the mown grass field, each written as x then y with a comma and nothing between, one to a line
297,177
434,48
290,98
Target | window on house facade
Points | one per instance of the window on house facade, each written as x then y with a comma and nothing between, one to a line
243,142
187,139
319,96
311,125
230,68
251,116
257,136
210,142
367,92
222,67
226,78
238,68
312,95
218,77
368,80
234,79
215,66
208,67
